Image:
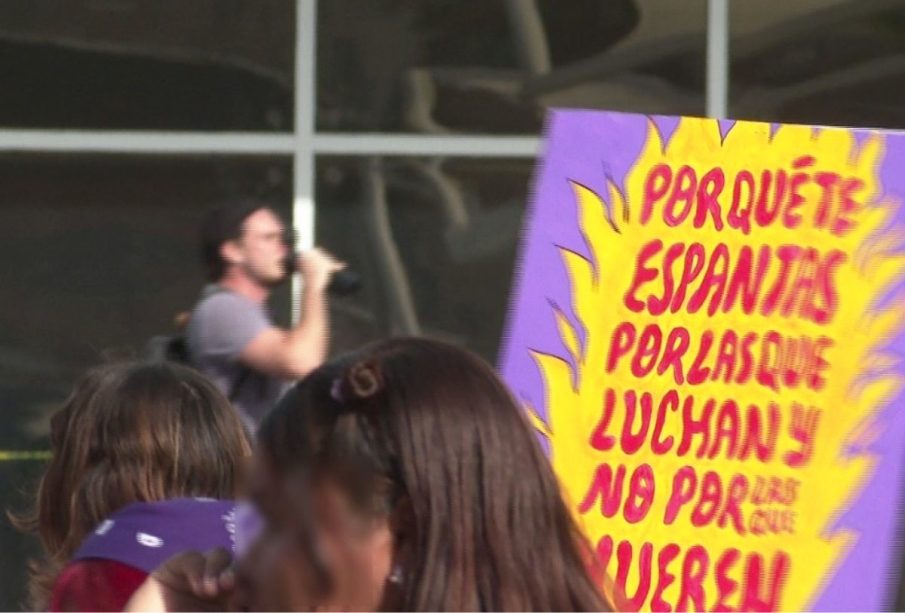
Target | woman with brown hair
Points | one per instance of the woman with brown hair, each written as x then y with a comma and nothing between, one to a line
129,433
404,477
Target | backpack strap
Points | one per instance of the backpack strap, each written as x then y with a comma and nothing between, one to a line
236,387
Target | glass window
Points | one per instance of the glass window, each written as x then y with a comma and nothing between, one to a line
830,62
492,67
434,240
105,248
141,64
100,253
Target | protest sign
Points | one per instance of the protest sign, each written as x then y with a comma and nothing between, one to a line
707,332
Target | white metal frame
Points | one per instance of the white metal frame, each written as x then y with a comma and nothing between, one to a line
304,145
717,80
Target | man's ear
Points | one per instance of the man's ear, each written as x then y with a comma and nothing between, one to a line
231,253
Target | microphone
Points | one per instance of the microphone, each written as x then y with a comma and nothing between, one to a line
342,283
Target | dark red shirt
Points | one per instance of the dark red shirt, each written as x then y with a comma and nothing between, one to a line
95,585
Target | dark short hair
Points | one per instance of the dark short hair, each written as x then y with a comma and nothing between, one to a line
223,224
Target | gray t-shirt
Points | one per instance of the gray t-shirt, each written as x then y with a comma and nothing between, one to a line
222,325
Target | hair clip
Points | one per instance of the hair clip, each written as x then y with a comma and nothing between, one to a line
364,380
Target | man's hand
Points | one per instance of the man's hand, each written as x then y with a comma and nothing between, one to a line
292,354
317,267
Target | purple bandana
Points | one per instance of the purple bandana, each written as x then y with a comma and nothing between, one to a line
146,534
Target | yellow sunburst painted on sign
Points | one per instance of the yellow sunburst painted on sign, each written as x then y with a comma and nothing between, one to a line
575,382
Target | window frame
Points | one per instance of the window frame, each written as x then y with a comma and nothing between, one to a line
304,144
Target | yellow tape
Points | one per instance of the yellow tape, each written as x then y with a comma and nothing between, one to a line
10,456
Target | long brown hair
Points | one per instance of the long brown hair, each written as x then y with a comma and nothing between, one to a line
426,432
130,432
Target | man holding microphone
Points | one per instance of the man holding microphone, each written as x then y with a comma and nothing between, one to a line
231,336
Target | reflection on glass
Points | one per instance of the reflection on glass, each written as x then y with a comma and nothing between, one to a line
493,67
434,240
831,62
147,65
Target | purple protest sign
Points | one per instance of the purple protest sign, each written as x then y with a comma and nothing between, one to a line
707,332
